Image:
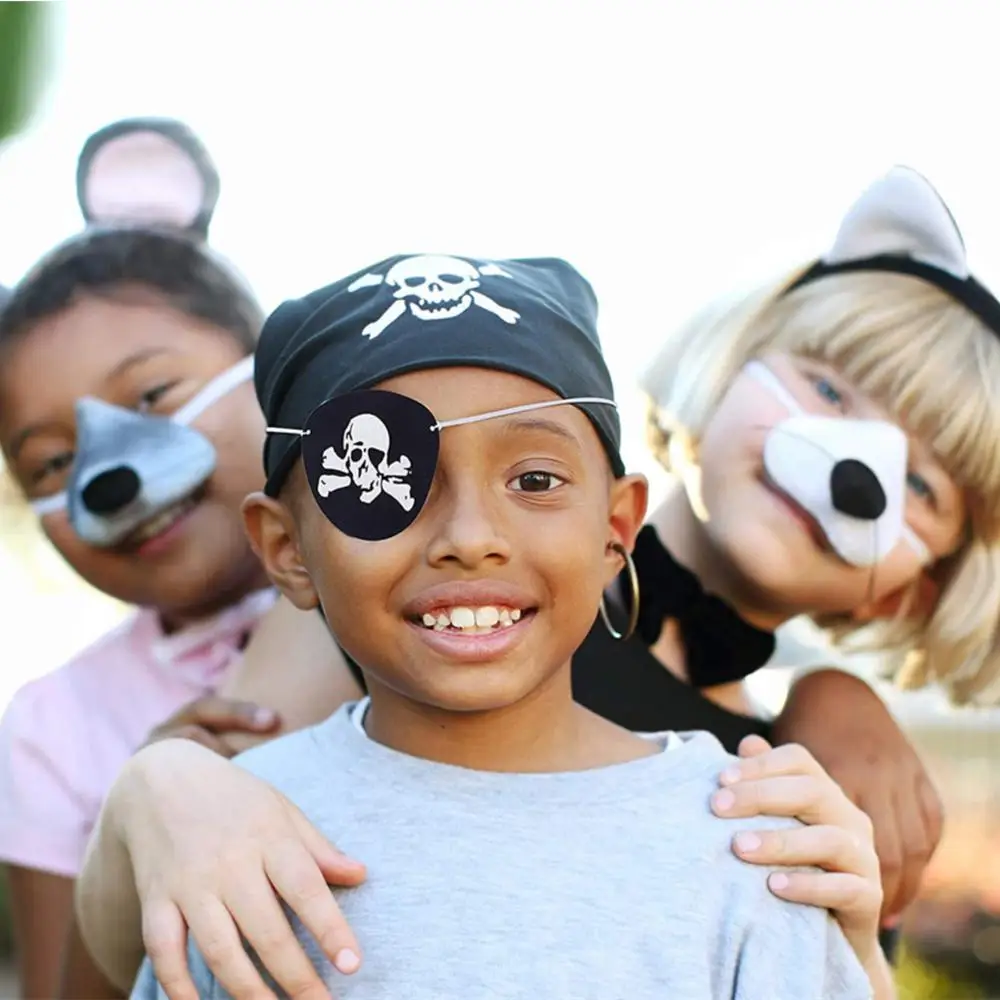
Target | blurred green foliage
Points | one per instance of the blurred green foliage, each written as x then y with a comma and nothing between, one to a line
21,57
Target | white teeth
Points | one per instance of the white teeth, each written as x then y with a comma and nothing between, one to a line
463,617
466,619
487,617
162,521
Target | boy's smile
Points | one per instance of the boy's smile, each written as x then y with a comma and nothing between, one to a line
474,621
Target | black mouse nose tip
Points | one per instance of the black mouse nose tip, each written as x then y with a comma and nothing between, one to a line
110,490
856,490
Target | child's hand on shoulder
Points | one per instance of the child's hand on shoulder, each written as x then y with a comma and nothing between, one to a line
209,719
788,781
213,850
852,734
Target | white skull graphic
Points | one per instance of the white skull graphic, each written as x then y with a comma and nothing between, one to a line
365,464
434,287
366,447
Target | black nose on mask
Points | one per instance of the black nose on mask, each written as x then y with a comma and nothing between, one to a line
111,490
856,491
129,467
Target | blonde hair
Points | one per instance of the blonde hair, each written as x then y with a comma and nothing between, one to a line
931,362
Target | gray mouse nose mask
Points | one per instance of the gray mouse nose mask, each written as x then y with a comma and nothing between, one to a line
130,467
850,475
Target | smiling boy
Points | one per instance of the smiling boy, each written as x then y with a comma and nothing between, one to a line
444,481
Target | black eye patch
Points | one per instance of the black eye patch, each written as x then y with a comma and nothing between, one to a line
370,458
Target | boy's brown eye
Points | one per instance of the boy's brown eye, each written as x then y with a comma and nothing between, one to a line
535,482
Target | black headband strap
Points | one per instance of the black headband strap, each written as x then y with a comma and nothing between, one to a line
976,297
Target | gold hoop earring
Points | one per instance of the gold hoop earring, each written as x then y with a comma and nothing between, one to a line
633,580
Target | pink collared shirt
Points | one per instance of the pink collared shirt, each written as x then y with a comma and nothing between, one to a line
65,736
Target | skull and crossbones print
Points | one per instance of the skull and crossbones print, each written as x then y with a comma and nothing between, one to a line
434,287
365,464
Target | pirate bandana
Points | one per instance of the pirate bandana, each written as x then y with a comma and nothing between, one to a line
369,455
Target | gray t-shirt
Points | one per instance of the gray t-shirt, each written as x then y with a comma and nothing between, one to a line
613,884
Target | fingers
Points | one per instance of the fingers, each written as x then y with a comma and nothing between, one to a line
212,930
337,868
836,891
753,746
915,849
829,847
264,925
196,735
222,715
297,879
889,847
932,810
810,799
767,762
165,938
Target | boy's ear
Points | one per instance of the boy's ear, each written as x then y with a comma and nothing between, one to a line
917,600
627,509
273,536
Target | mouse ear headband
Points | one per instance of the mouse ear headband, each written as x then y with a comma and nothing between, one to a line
147,170
902,225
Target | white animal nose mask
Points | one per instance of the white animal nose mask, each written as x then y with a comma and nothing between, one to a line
850,475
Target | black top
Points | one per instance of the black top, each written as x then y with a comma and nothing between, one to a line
720,646
625,683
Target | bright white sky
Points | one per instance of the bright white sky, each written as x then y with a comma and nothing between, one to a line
669,150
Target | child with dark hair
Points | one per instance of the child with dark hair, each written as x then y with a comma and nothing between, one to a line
444,481
128,421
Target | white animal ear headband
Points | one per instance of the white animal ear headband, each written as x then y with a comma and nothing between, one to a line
370,456
902,225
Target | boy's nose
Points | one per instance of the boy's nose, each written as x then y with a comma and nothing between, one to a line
111,490
468,534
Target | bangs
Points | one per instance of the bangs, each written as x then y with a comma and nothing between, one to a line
921,355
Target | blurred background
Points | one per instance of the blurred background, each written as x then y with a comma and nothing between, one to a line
670,150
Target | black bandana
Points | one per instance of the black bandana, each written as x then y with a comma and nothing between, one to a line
370,456
719,645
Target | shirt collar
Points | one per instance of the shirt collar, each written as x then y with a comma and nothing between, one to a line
204,647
